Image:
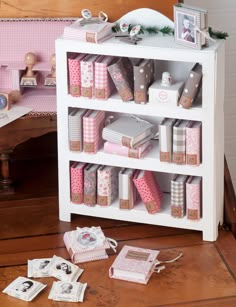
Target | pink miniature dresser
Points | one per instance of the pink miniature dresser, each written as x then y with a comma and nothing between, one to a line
18,37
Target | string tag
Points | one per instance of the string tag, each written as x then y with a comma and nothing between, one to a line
205,33
113,244
158,267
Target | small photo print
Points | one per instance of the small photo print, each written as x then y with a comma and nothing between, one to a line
185,27
24,288
39,267
64,270
67,291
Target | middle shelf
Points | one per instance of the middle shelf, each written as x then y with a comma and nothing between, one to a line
150,162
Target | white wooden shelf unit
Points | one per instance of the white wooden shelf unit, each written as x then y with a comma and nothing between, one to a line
178,60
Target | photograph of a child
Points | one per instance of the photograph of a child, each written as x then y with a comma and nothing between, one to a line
187,32
66,268
25,286
185,27
66,288
43,264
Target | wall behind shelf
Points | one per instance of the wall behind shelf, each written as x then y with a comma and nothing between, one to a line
221,15
64,8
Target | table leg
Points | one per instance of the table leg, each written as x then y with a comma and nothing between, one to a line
6,182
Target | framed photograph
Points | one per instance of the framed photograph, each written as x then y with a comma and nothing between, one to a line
190,26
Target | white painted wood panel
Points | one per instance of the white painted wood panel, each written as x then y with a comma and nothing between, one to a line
210,114
222,16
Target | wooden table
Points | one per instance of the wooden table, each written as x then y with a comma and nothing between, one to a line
15,133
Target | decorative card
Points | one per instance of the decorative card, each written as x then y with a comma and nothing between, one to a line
38,267
24,288
67,291
64,270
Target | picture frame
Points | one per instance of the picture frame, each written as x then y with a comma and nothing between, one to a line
191,25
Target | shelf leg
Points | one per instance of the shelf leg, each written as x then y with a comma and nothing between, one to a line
64,216
210,234
6,183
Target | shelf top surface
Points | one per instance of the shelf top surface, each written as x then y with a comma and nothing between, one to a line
164,46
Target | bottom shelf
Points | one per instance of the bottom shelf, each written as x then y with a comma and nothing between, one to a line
138,214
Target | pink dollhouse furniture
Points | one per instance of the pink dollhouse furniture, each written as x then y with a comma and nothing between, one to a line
19,37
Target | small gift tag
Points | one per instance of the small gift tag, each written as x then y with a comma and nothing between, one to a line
38,267
87,17
24,288
67,291
64,270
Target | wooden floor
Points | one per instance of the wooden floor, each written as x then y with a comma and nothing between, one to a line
29,228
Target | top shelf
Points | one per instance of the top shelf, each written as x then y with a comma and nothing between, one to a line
158,46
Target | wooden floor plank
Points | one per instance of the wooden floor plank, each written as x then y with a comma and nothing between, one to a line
122,233
23,217
219,302
226,245
49,245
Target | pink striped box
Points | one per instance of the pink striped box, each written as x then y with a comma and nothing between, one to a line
93,123
104,85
